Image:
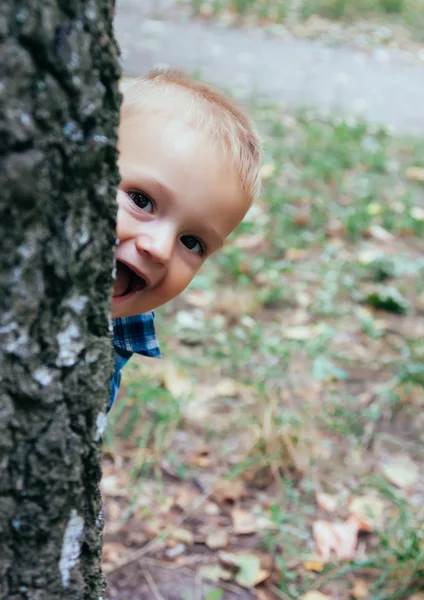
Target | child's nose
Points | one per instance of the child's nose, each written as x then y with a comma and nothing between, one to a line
159,243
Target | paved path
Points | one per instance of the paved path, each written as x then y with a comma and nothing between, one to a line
297,73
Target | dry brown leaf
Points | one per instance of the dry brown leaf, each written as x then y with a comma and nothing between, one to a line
235,302
419,596
359,590
217,539
326,502
264,595
229,490
369,510
183,535
244,522
227,388
250,242
185,498
263,574
314,595
200,298
314,565
402,471
113,510
415,174
138,538
336,538
295,254
302,217
301,332
201,458
175,381
113,553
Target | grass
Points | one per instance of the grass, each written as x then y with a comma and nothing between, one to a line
409,13
296,359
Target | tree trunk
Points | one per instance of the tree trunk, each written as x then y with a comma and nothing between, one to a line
59,113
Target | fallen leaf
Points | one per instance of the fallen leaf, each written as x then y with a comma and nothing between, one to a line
234,302
267,170
183,535
114,510
138,538
214,573
250,241
249,571
201,458
114,485
415,174
326,502
368,255
419,596
217,539
417,213
359,589
175,381
244,522
264,595
113,553
227,388
295,254
313,565
229,490
185,498
402,471
374,209
301,332
369,510
211,509
175,551
314,595
380,234
336,538
302,217
200,298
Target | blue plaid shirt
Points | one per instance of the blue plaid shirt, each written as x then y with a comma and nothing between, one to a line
132,334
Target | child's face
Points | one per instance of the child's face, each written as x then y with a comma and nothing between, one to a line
179,198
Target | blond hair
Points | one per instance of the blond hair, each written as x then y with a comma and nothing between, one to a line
207,109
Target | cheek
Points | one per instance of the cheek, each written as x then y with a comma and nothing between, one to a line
181,274
125,226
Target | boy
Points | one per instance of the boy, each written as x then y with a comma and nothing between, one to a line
189,163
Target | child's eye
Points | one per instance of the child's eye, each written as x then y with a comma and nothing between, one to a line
141,200
193,244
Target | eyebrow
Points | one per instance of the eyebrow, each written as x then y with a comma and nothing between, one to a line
163,189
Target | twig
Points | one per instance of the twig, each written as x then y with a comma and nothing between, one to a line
167,531
278,592
152,584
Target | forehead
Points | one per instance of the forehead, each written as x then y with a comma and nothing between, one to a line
194,166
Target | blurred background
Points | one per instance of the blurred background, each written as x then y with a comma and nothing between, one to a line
276,451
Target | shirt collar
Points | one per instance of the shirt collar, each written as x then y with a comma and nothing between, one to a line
136,334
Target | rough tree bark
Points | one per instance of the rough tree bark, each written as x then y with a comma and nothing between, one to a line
59,105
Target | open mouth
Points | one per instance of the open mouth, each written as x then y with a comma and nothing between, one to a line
127,281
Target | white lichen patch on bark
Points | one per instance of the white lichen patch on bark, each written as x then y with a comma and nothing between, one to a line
70,345
101,423
70,546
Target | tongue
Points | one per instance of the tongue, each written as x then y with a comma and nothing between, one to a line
122,281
